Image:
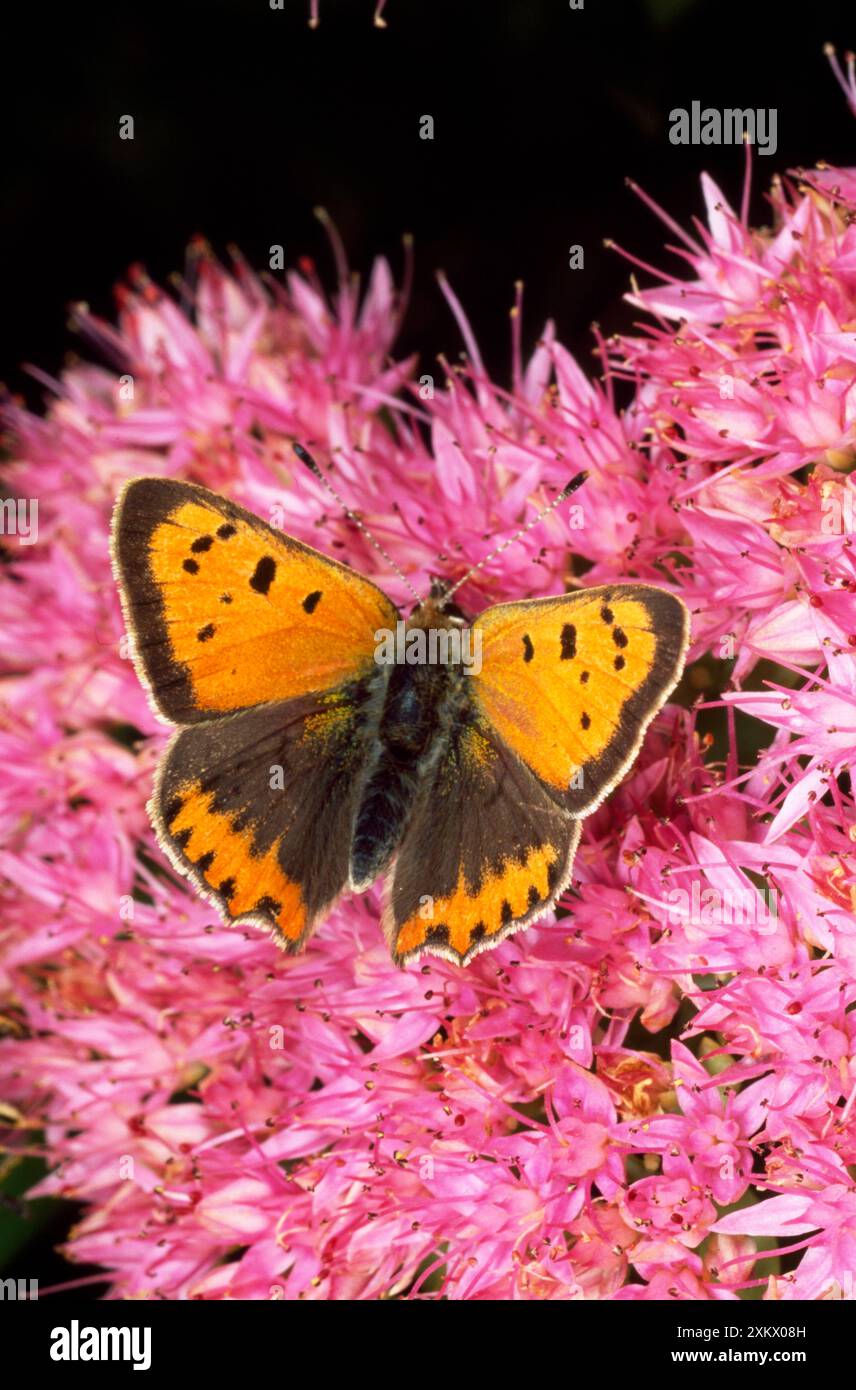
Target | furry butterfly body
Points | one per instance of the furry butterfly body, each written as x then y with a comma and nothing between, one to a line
303,767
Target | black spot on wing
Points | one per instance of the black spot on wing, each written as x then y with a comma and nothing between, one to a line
528,649
206,633
268,904
226,531
607,614
585,720
619,637
310,603
227,888
619,663
202,543
569,642
204,863
192,566
554,873
263,574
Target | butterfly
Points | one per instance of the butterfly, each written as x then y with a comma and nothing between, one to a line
304,765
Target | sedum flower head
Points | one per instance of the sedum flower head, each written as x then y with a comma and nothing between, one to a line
618,1104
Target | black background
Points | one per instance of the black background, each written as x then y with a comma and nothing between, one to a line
245,119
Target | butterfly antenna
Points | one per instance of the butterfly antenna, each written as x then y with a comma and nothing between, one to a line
308,460
510,540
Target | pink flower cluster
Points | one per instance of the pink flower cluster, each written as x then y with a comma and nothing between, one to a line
650,1097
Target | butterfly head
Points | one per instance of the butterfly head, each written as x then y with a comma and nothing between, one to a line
438,607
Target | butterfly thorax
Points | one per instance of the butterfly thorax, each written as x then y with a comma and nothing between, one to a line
425,695
420,685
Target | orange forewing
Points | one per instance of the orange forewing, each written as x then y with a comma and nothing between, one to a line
226,612
571,683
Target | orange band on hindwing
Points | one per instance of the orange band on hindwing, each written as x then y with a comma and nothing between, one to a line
250,885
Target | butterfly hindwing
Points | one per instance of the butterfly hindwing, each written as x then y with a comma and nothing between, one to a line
486,852
227,613
571,683
256,808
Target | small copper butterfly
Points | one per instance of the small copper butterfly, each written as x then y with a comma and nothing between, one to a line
304,766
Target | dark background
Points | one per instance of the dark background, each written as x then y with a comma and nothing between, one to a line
246,119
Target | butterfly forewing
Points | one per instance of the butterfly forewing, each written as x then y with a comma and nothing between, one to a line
226,612
571,683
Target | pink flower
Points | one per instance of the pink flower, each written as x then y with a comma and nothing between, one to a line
714,1133
831,1258
670,1214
